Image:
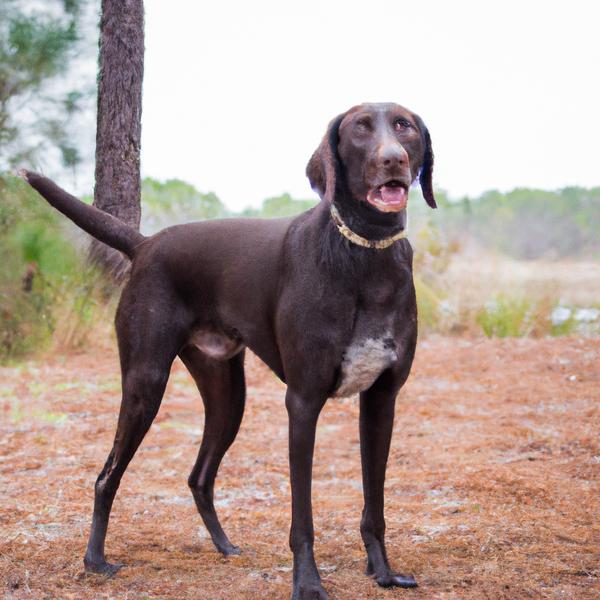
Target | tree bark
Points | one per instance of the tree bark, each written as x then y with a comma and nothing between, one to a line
118,133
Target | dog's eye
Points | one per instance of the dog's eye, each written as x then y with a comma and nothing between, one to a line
402,124
363,125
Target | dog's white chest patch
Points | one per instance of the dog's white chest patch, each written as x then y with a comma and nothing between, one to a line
362,364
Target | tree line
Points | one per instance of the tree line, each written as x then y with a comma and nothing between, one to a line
524,223
528,223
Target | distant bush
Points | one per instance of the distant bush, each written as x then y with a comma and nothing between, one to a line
175,201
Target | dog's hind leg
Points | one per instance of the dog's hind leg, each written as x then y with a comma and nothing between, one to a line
147,350
223,389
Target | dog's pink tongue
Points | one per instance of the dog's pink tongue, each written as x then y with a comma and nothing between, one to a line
394,196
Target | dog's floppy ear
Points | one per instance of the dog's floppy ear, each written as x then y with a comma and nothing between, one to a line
323,168
426,173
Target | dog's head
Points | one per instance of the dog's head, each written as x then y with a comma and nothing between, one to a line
371,154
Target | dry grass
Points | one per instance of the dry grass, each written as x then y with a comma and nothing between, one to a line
493,483
480,292
476,276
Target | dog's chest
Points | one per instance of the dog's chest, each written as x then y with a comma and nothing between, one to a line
364,360
375,344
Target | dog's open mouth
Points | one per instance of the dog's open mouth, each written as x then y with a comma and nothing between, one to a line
391,196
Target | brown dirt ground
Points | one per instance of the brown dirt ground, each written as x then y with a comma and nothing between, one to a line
492,492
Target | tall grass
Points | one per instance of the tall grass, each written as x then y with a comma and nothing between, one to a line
49,296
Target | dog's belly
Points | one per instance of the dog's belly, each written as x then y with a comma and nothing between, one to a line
364,360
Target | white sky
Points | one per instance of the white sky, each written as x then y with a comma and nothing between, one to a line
238,94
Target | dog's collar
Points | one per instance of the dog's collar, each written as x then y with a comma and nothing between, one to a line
359,240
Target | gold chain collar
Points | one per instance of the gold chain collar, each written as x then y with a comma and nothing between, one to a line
359,240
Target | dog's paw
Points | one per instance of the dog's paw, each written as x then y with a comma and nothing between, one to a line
309,592
103,568
229,549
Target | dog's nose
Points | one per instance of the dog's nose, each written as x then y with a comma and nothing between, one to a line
392,155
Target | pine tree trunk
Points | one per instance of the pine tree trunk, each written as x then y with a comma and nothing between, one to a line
118,134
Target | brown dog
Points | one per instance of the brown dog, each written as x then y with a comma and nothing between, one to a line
326,299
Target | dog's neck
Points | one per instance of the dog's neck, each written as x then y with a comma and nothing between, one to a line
367,222
380,244
340,257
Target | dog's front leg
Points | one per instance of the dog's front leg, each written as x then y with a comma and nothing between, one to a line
376,424
303,414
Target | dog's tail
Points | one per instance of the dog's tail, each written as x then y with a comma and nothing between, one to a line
100,224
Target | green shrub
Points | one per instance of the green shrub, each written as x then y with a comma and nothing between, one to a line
432,255
428,305
505,317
